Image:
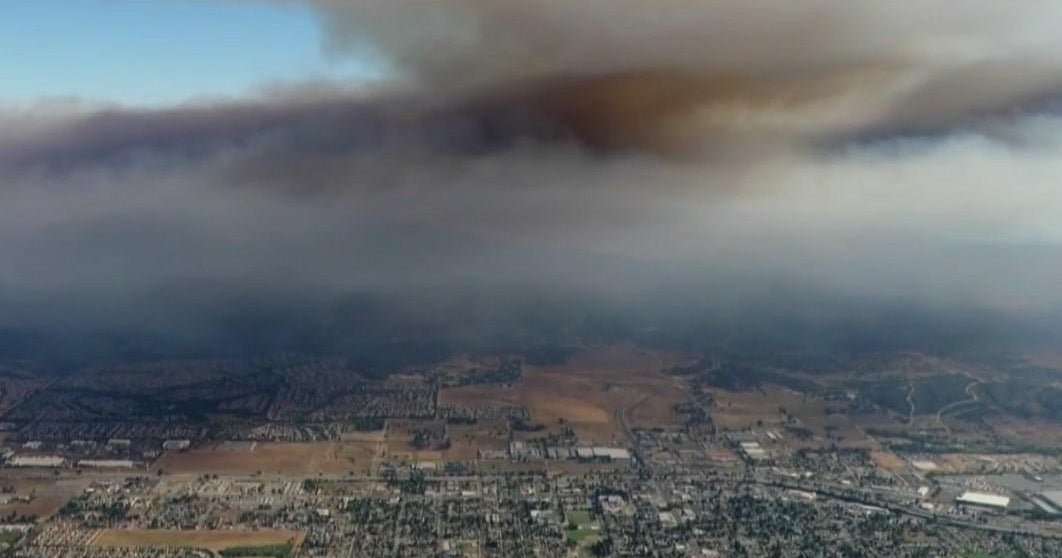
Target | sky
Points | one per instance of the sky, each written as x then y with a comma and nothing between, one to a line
157,52
528,162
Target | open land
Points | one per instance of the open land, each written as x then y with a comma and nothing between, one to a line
211,540
610,451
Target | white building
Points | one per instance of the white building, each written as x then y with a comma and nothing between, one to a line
36,461
982,499
753,450
106,464
176,445
611,453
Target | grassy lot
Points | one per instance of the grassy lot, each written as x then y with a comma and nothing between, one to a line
584,533
270,551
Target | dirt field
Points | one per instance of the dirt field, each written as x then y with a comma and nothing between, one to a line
39,507
397,441
371,437
482,396
588,392
211,540
744,410
570,467
467,440
504,466
46,495
282,458
888,460
1027,431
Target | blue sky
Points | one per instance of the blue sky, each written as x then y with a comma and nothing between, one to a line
150,52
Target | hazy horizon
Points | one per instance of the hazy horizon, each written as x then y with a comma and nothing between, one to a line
470,170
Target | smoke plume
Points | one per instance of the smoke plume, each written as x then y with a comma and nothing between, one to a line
548,166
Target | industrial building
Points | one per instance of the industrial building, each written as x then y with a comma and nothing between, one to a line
981,499
36,461
176,445
753,451
107,464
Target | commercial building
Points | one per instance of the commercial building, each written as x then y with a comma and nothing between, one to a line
752,450
984,500
176,445
106,464
611,453
36,461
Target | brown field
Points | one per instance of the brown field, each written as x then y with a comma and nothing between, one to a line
588,392
482,396
279,458
745,410
467,440
888,460
494,466
39,507
370,437
397,436
210,540
1034,432
46,495
551,407
878,420
570,467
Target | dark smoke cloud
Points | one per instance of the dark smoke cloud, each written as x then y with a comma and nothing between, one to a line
777,66
542,168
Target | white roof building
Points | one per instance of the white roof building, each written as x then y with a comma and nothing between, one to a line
107,463
611,453
36,461
982,499
176,445
584,453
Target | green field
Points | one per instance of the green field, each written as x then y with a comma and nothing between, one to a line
583,534
271,551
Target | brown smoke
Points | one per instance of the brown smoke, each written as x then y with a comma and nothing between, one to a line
517,148
682,75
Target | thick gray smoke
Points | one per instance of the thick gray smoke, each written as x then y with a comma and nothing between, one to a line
661,160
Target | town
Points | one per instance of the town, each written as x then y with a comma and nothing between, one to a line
609,451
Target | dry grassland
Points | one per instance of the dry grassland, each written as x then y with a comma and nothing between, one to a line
279,458
758,409
888,460
587,392
210,540
1033,432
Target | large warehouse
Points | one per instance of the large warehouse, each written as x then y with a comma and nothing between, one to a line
981,499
